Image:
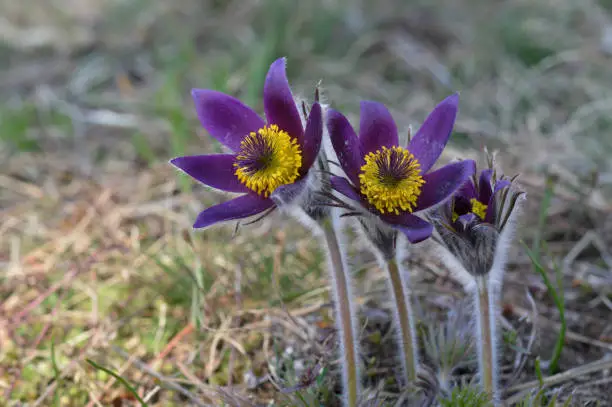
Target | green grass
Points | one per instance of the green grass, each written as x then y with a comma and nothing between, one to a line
542,217
467,396
557,292
540,399
121,380
56,372
22,127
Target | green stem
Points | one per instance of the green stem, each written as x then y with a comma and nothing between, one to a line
344,314
404,320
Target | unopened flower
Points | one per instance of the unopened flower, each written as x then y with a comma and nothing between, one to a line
475,221
269,157
476,226
390,181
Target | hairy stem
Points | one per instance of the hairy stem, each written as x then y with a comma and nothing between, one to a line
345,319
485,332
404,319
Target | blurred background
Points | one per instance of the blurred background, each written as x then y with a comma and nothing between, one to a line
99,260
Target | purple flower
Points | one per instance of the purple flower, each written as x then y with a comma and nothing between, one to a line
270,157
391,181
474,222
476,200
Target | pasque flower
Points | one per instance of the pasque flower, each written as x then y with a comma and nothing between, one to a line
270,164
476,198
476,227
472,223
391,181
269,157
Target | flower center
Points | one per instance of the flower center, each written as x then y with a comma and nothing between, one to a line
391,179
268,159
478,208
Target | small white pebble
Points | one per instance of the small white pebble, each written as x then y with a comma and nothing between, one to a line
250,379
298,366
606,40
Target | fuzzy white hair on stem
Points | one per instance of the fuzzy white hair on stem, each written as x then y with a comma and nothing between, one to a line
387,245
504,242
365,224
455,267
308,205
329,230
404,319
344,307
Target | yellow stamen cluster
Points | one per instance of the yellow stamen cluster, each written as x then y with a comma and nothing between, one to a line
479,209
391,180
268,159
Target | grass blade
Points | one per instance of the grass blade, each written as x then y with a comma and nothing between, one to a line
56,373
543,214
556,292
121,380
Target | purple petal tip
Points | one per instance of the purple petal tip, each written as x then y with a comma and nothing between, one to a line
452,100
281,60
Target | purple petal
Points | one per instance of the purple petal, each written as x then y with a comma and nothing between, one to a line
346,145
463,196
468,190
376,127
238,208
415,228
345,188
216,170
226,118
279,104
312,138
441,184
468,218
286,194
501,184
484,186
429,141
